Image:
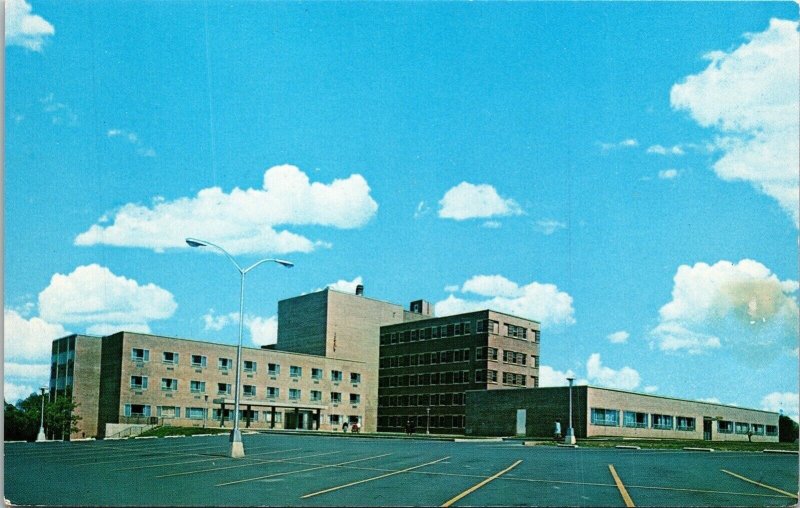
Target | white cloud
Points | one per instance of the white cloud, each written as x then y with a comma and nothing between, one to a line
468,201
28,339
742,307
749,96
23,28
133,139
712,400
13,392
59,112
625,378
263,331
663,150
243,221
548,376
625,143
452,288
422,210
346,286
549,226
35,371
668,174
540,302
93,295
111,328
787,401
619,337
492,224
650,389
216,323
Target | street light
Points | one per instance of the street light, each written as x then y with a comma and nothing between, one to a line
428,421
237,447
41,437
570,438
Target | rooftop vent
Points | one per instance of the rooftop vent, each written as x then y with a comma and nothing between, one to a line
360,290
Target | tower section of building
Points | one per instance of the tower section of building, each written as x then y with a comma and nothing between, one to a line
427,366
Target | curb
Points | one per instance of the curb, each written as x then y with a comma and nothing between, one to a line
114,438
694,449
486,440
84,439
628,447
146,437
168,437
11,442
567,445
792,452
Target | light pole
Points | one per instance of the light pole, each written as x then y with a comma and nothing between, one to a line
570,438
41,437
237,447
428,421
205,412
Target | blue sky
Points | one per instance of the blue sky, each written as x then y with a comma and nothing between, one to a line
626,173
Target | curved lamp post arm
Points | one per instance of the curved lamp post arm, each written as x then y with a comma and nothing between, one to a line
287,264
194,242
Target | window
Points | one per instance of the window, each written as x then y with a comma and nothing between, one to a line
334,419
725,427
435,332
169,357
294,394
393,338
758,429
491,353
252,414
169,384
223,389
316,373
514,357
140,355
336,375
197,386
139,382
466,328
216,414
663,422
316,395
295,371
198,361
137,410
536,334
169,411
492,326
511,378
684,423
355,377
195,413
517,332
491,376
458,329
336,397
273,369
225,363
635,420
772,430
535,361
742,428
249,390
606,417
355,398
250,366
273,392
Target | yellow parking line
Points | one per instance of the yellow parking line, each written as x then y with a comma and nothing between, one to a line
789,494
481,484
621,487
373,478
323,466
254,463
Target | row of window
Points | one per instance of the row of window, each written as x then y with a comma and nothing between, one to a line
456,356
633,419
454,378
422,422
250,366
424,400
455,330
201,413
757,429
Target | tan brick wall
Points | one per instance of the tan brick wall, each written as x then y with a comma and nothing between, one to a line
86,385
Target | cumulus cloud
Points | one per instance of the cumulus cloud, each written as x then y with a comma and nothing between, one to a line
786,401
452,288
619,337
492,224
28,339
34,371
650,389
346,286
468,201
59,112
625,378
244,221
743,307
668,174
549,226
133,139
749,97
421,210
93,295
663,150
542,302
549,376
13,392
23,28
214,322
625,143
712,400
263,331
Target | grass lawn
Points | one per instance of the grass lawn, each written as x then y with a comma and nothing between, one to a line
183,431
678,444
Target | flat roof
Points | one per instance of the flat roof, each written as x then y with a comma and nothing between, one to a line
342,293
479,311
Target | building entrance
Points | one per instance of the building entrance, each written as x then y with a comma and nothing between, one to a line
707,428
299,420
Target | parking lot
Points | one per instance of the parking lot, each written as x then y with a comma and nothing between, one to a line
301,470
